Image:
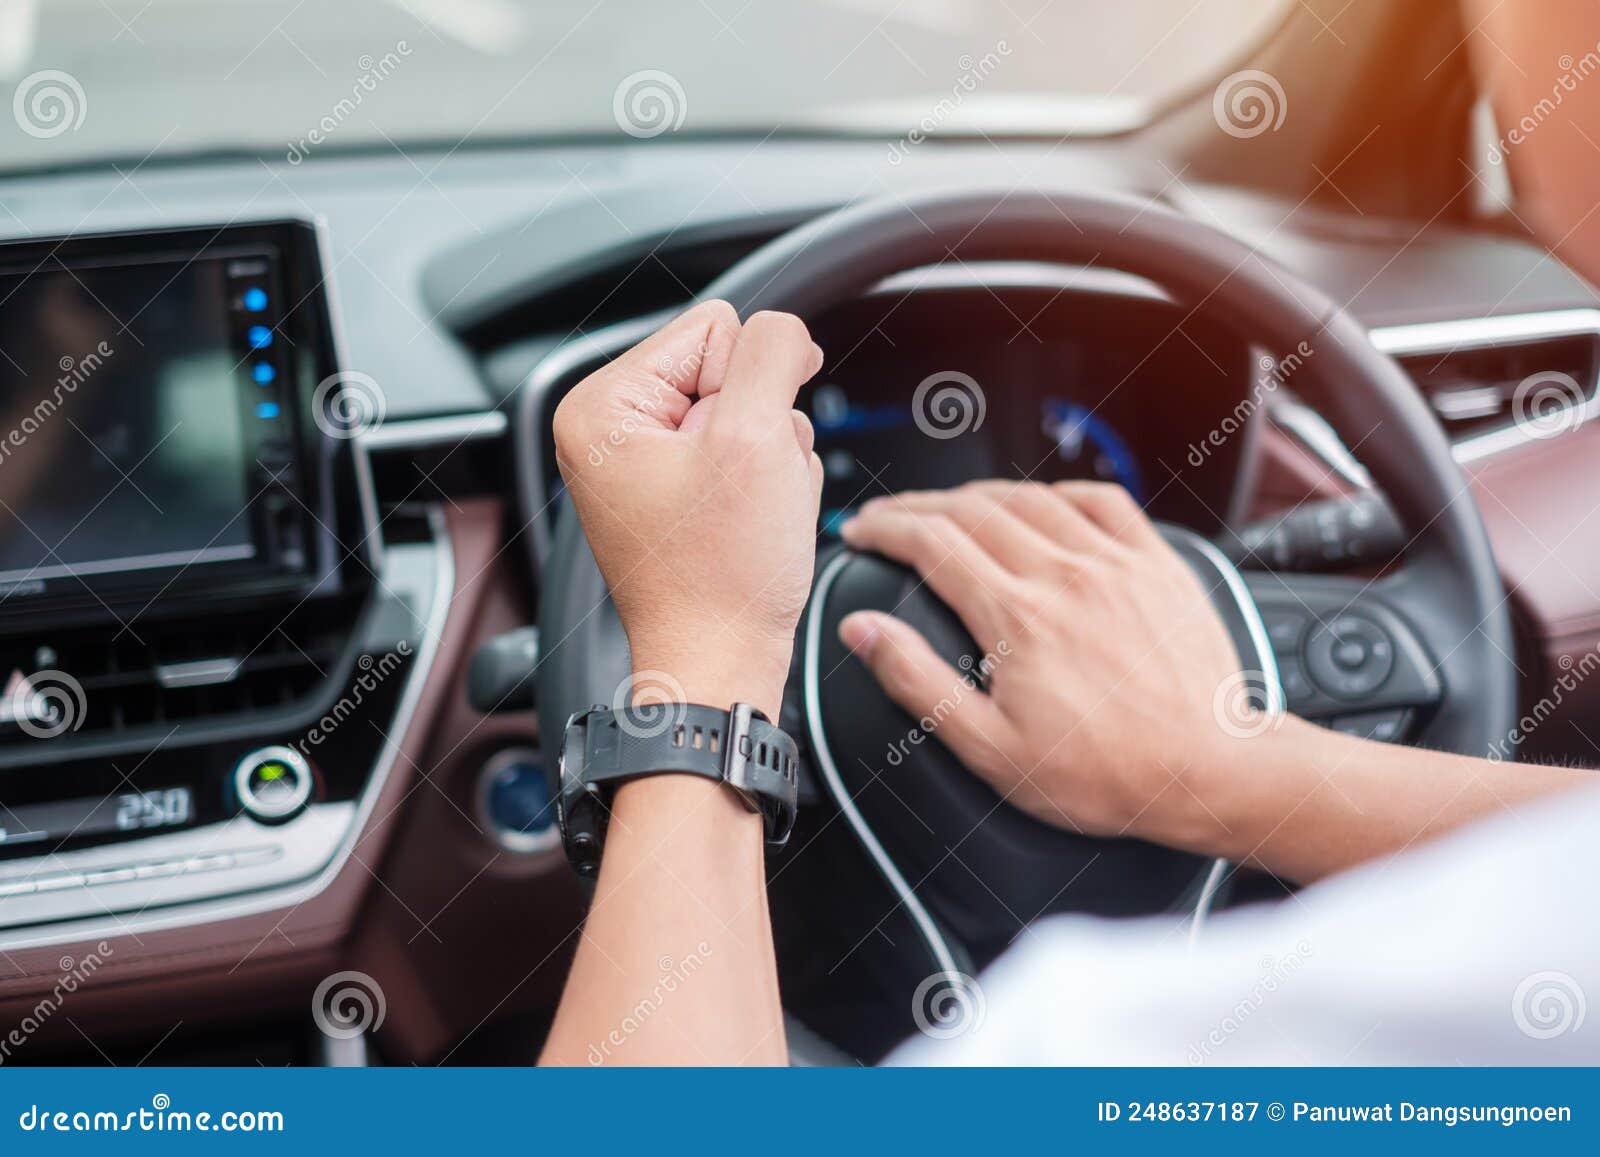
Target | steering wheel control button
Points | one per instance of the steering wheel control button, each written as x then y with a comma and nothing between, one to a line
273,784
1292,677
1285,627
1349,657
1385,726
1351,654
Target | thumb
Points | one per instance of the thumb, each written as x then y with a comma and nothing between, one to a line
655,383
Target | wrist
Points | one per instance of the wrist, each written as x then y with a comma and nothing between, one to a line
1242,790
715,681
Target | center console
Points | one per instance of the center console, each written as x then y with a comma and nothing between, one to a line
204,639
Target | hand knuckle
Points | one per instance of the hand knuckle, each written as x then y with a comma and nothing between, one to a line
718,310
567,422
782,325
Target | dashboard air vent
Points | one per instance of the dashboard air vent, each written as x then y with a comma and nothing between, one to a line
96,682
1479,391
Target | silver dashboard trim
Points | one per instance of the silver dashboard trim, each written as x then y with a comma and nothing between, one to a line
416,432
1312,431
372,543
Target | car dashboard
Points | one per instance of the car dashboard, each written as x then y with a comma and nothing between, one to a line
471,299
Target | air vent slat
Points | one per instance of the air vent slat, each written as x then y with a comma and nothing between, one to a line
204,668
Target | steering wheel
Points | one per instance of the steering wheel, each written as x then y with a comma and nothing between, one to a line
1431,639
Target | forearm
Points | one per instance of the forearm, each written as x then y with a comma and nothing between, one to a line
1304,802
676,963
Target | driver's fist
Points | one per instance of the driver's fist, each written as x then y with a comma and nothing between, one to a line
697,486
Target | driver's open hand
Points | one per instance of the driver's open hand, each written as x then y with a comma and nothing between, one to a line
697,487
1105,651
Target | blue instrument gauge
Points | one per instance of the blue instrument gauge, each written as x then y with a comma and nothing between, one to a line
1091,446
833,518
833,412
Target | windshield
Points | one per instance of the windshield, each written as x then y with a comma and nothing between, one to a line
129,79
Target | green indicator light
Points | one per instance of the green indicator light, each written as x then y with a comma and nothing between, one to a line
271,771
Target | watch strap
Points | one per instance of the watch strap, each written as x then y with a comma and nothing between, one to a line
604,748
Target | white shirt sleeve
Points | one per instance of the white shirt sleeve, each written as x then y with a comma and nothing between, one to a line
1481,949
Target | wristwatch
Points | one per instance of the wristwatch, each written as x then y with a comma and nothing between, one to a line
604,747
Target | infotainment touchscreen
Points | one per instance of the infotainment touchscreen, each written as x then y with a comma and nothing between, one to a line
144,409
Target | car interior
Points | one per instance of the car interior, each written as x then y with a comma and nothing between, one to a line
294,608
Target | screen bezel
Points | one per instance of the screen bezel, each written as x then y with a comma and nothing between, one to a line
321,499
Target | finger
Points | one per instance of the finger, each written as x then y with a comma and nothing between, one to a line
1111,509
1043,509
946,703
654,384
1012,543
804,433
958,570
692,351
773,357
